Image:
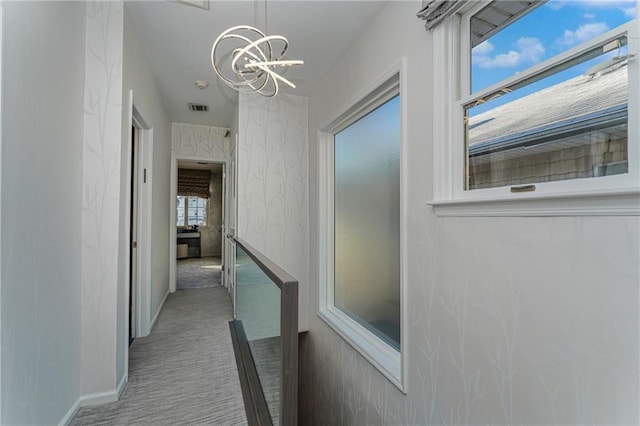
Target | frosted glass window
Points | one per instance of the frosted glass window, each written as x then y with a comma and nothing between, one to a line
367,221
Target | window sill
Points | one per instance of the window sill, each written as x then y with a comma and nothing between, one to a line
610,203
379,354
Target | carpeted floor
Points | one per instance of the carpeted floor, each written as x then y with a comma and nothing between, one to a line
198,272
184,372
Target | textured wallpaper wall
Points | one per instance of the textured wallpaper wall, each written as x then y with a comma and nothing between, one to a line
510,320
196,140
137,76
42,139
101,194
273,182
211,235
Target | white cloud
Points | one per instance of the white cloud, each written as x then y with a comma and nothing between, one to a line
483,48
626,6
555,5
529,51
582,33
605,3
589,16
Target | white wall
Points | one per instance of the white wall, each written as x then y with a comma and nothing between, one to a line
511,320
42,115
199,141
101,196
138,76
273,202
210,233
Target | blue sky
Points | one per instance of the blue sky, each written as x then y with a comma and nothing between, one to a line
545,32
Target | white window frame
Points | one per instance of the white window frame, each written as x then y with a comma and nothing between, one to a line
608,195
186,211
390,362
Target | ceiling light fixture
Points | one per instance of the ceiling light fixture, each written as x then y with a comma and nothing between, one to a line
253,61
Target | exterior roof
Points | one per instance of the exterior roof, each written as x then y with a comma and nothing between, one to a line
563,105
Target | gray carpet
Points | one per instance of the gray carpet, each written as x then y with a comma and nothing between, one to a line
184,372
198,272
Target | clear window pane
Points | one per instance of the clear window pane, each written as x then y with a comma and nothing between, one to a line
197,211
180,203
567,124
502,47
367,221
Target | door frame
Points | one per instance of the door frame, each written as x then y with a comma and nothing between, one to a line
136,118
173,234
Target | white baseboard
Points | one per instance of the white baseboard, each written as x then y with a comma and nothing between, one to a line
71,413
155,318
94,399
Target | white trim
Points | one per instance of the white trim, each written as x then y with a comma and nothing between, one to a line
387,360
1,61
445,35
223,230
105,397
155,317
608,195
73,410
143,279
96,398
144,237
404,228
391,363
173,232
610,203
127,147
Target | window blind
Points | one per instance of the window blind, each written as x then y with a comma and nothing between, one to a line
436,11
194,183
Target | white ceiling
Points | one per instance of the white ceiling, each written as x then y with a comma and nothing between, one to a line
178,39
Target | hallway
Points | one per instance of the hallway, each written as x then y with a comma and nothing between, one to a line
198,272
184,372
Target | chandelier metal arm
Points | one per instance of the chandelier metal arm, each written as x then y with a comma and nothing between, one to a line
257,73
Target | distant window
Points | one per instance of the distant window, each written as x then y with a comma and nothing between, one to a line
191,211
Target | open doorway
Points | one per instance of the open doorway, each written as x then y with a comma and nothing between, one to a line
199,224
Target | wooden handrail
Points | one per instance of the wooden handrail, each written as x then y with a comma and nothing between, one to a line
279,276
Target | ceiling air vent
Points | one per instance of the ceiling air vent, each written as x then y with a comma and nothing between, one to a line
198,107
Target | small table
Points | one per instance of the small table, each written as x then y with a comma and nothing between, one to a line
192,240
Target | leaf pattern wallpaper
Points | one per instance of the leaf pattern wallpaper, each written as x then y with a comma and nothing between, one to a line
196,140
510,320
101,193
553,344
272,161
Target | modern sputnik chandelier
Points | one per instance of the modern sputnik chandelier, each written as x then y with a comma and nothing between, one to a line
253,58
